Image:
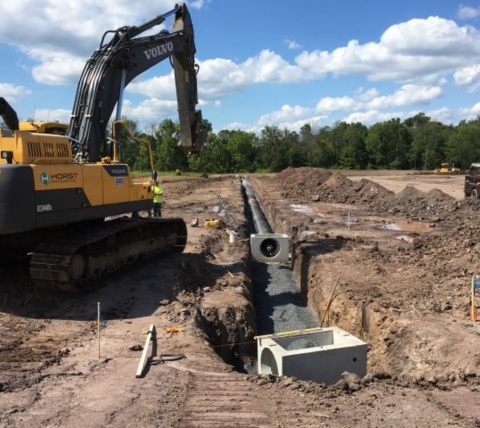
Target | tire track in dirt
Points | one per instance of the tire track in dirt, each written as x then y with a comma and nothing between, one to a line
233,400
223,400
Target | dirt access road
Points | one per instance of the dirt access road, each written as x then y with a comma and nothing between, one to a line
404,258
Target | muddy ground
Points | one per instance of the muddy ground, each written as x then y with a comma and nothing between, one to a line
402,247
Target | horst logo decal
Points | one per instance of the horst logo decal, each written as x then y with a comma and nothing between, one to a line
58,177
45,178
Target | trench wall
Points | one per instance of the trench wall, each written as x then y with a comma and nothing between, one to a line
318,261
315,285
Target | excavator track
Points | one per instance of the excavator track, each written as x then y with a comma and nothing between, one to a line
75,263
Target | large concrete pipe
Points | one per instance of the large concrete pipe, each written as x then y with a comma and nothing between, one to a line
265,246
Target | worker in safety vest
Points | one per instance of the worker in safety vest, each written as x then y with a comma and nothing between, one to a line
157,191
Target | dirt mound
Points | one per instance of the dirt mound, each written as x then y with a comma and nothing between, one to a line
337,189
306,185
303,176
301,184
409,195
369,191
414,204
436,196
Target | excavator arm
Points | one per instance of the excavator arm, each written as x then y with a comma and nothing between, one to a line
117,62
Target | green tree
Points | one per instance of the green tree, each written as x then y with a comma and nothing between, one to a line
143,161
169,156
429,139
128,148
240,145
463,145
354,153
275,148
325,156
388,145
308,145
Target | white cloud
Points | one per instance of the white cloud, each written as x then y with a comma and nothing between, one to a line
467,12
366,95
443,115
407,95
65,33
290,117
55,115
416,49
58,70
286,113
196,4
432,37
471,112
292,44
469,77
162,87
370,117
150,110
291,125
329,104
13,93
219,77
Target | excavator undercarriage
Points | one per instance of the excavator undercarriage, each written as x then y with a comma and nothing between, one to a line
76,263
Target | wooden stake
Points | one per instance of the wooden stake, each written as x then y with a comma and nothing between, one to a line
141,364
474,307
98,328
329,302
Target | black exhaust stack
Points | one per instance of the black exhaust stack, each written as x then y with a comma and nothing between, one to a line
9,115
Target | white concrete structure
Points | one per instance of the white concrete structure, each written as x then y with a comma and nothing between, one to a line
317,354
270,247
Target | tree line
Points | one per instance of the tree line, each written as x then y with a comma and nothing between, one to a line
418,143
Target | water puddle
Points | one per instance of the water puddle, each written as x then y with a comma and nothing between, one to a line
323,210
347,215
407,226
302,209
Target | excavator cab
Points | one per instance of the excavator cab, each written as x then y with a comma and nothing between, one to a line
44,127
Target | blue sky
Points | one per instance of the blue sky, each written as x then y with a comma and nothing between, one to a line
279,63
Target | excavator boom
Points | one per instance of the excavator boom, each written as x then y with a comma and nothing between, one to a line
117,62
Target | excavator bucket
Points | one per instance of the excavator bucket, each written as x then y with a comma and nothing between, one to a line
192,140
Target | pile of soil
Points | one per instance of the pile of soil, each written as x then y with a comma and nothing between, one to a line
307,185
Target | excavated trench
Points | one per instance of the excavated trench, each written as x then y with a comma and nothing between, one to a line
285,298
277,304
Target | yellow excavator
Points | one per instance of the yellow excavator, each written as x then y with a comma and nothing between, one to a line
75,214
447,168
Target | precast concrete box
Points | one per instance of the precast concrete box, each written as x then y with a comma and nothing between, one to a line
270,247
317,354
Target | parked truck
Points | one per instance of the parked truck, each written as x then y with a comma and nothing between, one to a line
472,181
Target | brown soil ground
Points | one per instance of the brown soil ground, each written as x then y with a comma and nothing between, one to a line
403,247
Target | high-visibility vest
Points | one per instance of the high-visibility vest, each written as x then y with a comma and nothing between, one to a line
157,194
